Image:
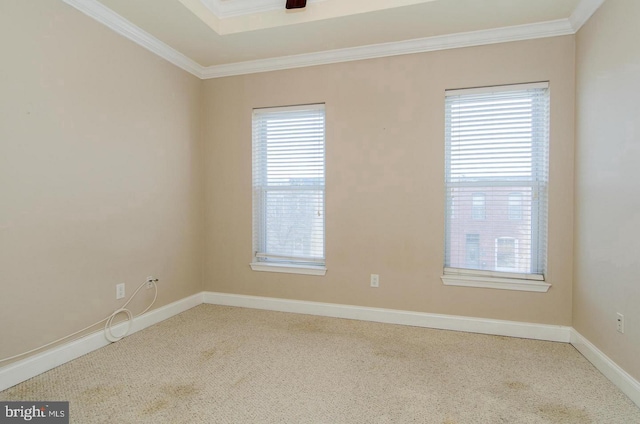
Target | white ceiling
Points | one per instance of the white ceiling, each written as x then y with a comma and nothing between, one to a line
230,8
212,38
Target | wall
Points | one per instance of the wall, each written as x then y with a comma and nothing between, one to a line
384,183
100,173
607,225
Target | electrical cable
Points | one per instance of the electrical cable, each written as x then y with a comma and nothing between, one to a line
108,326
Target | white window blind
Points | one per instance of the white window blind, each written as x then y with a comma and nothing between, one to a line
288,185
496,174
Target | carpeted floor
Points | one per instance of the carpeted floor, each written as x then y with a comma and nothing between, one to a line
216,364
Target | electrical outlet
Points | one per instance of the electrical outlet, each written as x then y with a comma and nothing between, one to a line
620,323
375,280
150,280
120,291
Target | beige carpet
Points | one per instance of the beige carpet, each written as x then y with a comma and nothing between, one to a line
216,364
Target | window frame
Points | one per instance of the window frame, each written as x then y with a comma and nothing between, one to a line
498,279
287,264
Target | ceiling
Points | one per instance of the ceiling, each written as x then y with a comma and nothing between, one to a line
212,38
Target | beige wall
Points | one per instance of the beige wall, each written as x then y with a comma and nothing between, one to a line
607,243
385,165
102,176
100,173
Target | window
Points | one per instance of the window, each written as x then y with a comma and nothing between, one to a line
472,251
496,166
477,206
288,189
515,206
506,252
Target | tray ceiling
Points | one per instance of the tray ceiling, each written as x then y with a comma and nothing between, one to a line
212,34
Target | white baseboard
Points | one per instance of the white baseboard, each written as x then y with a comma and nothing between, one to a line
629,385
25,369
20,371
524,330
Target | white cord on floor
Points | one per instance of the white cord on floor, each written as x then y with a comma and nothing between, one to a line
108,332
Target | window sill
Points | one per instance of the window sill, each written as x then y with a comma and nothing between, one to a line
289,268
495,283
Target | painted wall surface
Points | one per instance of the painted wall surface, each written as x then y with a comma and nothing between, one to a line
384,182
100,174
607,225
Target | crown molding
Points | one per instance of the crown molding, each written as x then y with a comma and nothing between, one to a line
104,15
420,45
117,23
582,13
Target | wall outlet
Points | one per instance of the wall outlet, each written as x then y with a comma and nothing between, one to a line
150,280
119,291
620,323
375,280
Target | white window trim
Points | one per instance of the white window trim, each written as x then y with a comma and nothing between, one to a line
283,267
494,280
289,268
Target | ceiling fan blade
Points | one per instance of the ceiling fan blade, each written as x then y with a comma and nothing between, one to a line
296,4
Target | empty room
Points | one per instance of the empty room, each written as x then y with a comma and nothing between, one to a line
320,211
